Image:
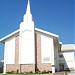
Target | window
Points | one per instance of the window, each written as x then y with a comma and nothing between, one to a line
60,56
46,59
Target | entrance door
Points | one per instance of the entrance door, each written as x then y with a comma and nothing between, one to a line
61,66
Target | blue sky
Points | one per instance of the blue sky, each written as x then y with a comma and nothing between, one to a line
56,16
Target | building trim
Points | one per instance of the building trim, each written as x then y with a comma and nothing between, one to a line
9,35
45,32
36,29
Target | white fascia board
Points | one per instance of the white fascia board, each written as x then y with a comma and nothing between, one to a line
48,33
11,34
36,29
74,46
60,42
68,47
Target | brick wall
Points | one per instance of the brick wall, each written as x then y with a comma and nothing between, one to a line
27,68
39,64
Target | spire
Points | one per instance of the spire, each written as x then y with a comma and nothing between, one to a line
28,15
28,7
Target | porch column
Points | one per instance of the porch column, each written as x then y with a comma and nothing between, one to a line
74,59
4,70
53,60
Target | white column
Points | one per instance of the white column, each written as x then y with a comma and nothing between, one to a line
27,43
4,68
4,71
53,60
27,39
53,68
74,59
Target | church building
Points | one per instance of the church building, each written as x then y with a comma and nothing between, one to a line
30,49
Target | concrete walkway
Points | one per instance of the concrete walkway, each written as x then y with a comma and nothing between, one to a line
71,73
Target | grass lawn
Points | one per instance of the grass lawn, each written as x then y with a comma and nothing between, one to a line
26,74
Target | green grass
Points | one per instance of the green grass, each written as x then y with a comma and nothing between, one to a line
26,74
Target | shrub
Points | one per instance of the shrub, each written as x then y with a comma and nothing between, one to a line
66,73
10,72
30,72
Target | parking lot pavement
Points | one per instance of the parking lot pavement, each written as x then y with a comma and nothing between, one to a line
71,73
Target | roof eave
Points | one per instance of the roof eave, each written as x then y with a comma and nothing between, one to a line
40,30
45,32
11,34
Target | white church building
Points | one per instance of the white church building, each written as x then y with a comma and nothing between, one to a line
30,49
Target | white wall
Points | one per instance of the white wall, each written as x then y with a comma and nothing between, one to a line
68,59
46,49
10,51
74,58
27,43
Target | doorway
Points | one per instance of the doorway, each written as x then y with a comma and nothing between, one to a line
61,67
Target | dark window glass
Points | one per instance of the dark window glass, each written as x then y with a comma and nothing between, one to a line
60,56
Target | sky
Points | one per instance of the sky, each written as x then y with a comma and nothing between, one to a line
55,16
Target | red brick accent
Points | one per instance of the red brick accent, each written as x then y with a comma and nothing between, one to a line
12,67
16,49
39,64
27,68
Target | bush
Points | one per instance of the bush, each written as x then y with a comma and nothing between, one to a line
10,72
30,72
13,72
65,73
49,71
44,71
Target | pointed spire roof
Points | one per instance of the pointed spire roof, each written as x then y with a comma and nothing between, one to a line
28,15
28,7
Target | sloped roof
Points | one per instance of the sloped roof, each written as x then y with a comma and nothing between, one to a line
36,29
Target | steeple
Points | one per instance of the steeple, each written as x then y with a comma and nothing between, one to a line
27,39
28,8
28,15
